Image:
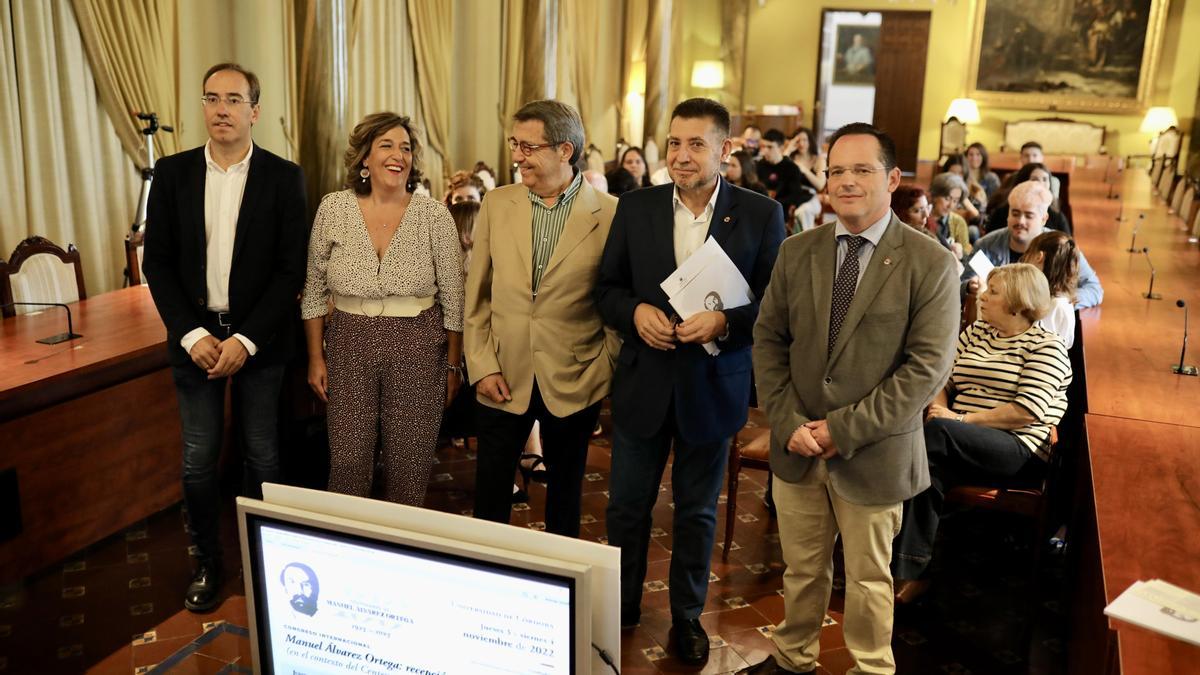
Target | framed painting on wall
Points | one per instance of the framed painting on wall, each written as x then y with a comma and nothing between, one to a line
855,56
1078,55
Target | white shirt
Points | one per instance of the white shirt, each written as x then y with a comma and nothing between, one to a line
691,230
223,189
1061,320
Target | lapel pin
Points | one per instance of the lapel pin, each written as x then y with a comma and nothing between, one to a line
887,261
727,219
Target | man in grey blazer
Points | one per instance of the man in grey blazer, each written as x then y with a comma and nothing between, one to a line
854,337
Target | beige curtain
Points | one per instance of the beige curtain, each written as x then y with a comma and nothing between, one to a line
62,166
321,27
734,18
659,65
131,45
432,23
382,74
585,26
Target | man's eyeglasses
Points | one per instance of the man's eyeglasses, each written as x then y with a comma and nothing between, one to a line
528,149
232,101
858,171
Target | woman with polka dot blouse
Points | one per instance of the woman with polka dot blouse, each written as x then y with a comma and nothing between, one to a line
382,310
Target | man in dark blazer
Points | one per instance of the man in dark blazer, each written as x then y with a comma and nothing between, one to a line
855,336
226,237
667,388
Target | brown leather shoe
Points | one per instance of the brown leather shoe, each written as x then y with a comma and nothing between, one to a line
909,591
770,667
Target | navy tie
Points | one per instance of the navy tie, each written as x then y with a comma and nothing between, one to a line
843,287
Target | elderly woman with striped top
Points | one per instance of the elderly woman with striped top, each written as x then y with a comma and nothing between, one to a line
992,422
388,356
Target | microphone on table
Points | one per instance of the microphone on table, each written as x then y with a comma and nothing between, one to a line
53,339
1136,226
1150,294
1182,369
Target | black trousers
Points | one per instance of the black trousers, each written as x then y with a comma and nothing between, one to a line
959,454
501,438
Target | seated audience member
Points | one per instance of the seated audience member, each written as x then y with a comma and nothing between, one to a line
910,203
621,181
1031,153
1028,211
782,177
991,423
1055,254
946,190
998,209
633,160
749,141
464,214
977,167
975,196
465,187
802,149
740,170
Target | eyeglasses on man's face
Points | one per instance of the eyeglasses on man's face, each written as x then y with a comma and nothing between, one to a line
858,171
233,101
528,149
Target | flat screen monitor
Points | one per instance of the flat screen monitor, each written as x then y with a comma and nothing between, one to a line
604,562
332,595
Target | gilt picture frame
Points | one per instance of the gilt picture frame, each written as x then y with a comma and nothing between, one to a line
1066,55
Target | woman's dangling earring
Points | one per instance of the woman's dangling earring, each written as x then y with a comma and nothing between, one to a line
365,174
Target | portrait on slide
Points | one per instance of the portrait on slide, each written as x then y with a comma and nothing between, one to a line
1084,55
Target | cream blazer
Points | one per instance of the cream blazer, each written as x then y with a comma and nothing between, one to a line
557,337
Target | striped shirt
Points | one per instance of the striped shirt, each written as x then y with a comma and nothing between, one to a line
548,223
1030,369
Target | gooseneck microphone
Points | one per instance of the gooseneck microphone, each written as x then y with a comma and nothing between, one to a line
1181,369
53,339
1150,294
1136,227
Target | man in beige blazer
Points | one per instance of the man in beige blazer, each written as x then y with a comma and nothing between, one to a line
854,337
535,344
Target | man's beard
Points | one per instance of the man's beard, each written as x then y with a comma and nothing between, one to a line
304,604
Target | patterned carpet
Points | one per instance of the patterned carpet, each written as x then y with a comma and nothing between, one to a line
116,607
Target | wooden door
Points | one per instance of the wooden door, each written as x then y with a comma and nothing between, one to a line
900,81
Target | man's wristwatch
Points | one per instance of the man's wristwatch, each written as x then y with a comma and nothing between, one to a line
457,370
960,418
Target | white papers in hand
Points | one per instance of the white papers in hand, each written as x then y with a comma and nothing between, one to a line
1161,607
982,266
706,281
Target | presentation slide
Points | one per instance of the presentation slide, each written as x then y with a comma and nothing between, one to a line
336,606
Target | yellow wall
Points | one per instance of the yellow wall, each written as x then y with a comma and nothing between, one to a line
782,52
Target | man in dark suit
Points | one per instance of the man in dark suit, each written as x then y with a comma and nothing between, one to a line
667,388
855,336
225,244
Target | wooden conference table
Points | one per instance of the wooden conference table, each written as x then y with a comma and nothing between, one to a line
1140,476
89,428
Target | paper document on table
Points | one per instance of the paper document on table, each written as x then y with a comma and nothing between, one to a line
707,281
1161,607
982,266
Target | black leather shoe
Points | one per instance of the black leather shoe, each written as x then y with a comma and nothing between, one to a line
688,641
769,667
202,593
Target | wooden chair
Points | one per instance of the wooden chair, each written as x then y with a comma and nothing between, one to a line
134,250
750,449
40,271
953,142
